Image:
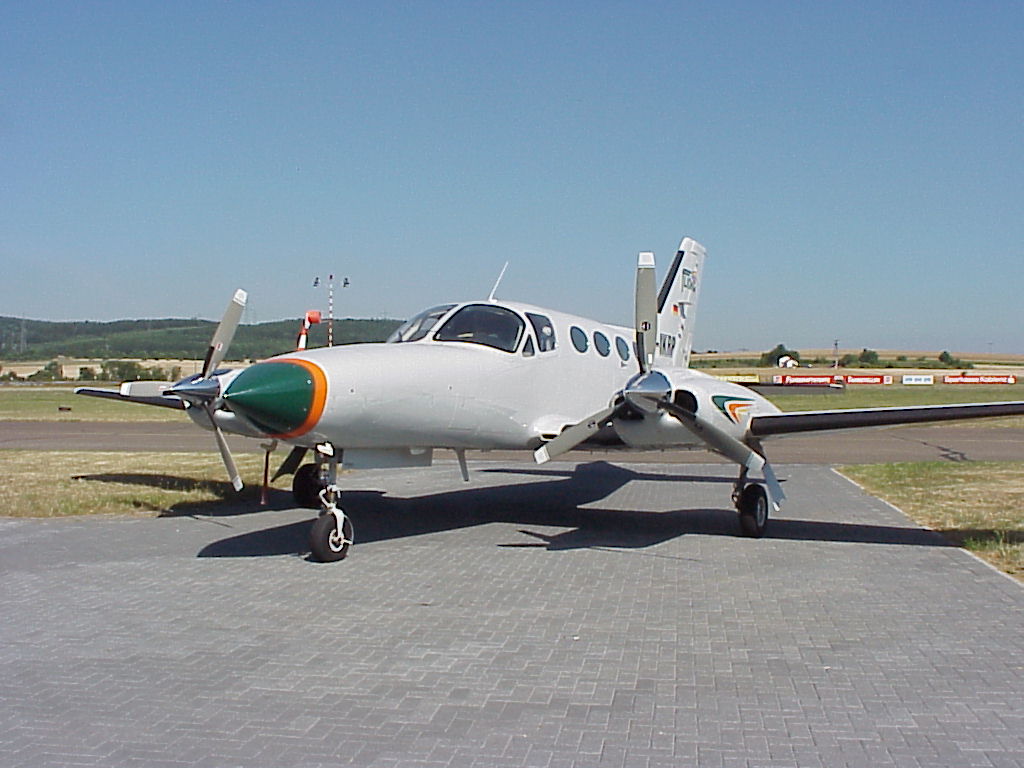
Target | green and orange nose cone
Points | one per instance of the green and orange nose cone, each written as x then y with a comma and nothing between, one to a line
284,398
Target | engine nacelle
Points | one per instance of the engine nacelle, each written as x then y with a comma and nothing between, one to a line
655,431
717,406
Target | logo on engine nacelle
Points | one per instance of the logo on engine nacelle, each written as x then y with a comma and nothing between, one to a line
735,408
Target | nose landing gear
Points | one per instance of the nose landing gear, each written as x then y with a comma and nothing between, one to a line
331,534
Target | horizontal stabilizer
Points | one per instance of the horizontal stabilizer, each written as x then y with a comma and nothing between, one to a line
113,394
822,421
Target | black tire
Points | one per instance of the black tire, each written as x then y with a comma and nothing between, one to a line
324,542
753,509
306,486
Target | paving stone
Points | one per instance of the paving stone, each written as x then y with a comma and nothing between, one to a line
556,616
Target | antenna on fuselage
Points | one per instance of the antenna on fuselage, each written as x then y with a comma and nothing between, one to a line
497,282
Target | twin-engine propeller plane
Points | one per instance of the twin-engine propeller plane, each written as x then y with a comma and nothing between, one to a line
502,375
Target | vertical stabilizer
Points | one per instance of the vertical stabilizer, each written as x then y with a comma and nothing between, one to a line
677,305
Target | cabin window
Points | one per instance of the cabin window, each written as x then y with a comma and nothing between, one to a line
485,324
579,339
545,331
419,326
622,347
601,344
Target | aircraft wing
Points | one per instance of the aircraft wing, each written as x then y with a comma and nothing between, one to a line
151,399
858,418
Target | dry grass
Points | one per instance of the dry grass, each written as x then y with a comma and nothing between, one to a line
976,505
85,483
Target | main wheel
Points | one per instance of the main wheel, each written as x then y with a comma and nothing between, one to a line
306,486
753,509
325,542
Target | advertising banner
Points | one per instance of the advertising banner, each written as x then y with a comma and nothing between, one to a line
806,380
918,379
872,379
740,378
979,378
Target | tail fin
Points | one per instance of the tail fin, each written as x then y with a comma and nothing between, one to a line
677,305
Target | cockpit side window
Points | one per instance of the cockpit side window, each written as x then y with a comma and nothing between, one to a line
419,326
485,324
544,330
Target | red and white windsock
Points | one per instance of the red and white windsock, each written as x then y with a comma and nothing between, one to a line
312,318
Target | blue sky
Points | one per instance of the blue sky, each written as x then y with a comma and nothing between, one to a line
856,171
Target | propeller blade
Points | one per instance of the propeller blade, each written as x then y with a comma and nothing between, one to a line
225,454
574,435
225,333
718,439
646,306
775,492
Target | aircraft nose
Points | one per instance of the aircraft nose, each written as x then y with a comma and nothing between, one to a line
284,398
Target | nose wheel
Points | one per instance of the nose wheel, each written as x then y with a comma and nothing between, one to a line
329,541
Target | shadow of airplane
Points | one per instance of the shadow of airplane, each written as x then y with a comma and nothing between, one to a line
558,499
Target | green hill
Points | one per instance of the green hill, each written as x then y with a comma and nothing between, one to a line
168,339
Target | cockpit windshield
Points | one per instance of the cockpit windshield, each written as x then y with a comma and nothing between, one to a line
485,324
419,326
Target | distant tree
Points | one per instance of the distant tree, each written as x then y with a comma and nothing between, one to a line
86,373
847,360
868,357
771,358
49,372
121,370
947,359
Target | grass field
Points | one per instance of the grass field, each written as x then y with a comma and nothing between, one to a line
49,404
975,505
896,395
91,483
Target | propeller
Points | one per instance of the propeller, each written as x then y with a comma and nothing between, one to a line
205,391
650,392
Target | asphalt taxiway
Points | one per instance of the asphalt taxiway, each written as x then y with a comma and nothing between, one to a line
587,614
910,443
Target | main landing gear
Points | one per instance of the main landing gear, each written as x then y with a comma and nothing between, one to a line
331,534
751,500
307,482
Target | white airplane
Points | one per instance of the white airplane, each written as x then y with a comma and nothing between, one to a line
494,374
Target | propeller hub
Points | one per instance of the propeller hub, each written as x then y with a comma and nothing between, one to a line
285,398
196,390
646,390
